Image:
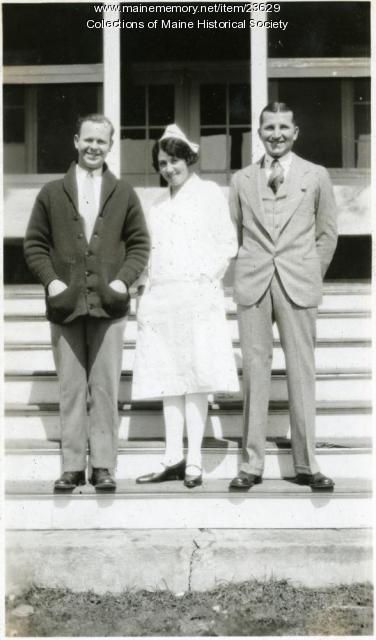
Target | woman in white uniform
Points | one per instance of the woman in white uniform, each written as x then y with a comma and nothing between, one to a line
183,349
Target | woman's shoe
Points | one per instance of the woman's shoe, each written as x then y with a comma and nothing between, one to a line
192,481
173,472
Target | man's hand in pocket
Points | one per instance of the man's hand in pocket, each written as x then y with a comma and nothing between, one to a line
55,287
119,286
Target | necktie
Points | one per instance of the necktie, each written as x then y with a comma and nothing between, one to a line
276,176
90,211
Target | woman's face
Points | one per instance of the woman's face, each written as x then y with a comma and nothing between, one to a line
174,170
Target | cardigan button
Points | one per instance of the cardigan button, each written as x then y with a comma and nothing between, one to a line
80,235
88,253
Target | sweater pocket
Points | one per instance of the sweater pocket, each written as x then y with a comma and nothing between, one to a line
62,305
115,304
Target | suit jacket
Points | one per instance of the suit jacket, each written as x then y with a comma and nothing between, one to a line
305,244
55,247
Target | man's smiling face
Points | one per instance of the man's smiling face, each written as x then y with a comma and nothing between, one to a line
93,144
278,132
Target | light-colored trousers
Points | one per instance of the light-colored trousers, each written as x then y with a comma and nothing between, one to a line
297,330
88,359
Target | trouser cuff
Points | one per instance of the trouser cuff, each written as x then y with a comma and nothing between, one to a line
310,470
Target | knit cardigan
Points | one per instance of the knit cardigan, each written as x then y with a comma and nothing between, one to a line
55,247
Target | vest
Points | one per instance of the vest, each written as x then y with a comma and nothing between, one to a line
274,206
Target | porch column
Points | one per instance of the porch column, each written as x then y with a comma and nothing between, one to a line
111,85
259,79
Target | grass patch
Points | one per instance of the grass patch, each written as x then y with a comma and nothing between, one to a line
253,608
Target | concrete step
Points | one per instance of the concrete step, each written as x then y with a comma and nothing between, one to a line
354,325
145,420
339,296
40,460
275,504
332,354
189,559
352,384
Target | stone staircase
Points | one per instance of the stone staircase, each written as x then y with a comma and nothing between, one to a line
343,362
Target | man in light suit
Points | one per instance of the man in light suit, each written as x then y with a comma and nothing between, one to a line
285,213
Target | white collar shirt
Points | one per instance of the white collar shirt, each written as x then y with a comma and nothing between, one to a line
285,163
97,178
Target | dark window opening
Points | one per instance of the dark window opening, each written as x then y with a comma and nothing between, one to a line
322,29
51,33
58,107
317,107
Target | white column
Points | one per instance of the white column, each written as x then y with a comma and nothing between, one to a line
111,85
259,79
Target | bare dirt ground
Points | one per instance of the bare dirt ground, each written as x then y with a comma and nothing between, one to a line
248,609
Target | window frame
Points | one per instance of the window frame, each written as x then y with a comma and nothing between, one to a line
199,72
187,92
31,75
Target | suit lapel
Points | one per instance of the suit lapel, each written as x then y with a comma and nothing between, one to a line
252,178
294,187
292,190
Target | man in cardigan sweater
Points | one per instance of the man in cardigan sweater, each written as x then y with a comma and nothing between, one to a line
87,243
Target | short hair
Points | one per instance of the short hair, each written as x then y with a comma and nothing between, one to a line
174,147
277,107
94,117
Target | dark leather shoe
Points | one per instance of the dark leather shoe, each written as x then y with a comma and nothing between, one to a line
317,481
192,481
244,481
174,472
69,480
102,480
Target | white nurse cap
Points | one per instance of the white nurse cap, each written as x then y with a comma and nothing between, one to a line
173,131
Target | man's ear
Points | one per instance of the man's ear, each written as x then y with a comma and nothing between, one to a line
75,141
296,133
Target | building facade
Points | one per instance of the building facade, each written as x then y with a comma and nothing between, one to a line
208,66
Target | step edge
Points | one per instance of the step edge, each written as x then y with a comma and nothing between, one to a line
230,315
206,451
131,344
359,373
36,289
251,495
277,407
296,496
